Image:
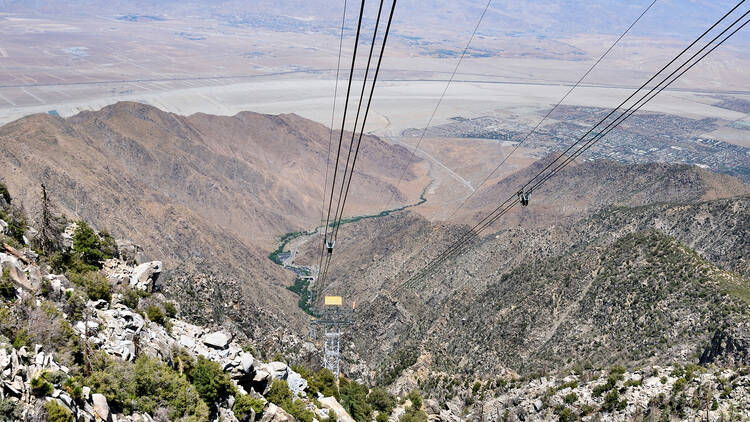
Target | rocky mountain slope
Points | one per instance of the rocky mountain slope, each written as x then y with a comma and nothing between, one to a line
585,187
619,277
90,338
207,194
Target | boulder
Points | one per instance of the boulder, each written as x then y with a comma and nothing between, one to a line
129,252
538,405
296,383
246,362
217,339
4,358
15,268
226,415
278,370
338,409
187,342
261,381
144,275
101,408
274,413
431,407
99,304
35,277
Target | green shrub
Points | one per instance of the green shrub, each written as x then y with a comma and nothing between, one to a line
211,382
9,411
57,413
22,338
382,417
300,413
74,306
475,388
40,387
566,415
89,246
145,387
7,287
155,314
107,245
94,283
73,387
612,402
279,393
413,414
130,298
679,385
312,390
571,397
67,261
353,397
381,401
244,403
16,224
325,383
170,309
415,398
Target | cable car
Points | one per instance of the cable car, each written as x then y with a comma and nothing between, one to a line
329,246
524,197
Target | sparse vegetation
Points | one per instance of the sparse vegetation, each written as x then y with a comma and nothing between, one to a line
210,380
243,405
58,413
94,284
7,287
89,246
147,385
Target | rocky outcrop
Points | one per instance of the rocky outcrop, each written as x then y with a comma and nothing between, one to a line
125,333
144,275
16,270
729,346
333,404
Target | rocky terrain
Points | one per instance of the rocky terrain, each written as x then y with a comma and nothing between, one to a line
106,345
619,274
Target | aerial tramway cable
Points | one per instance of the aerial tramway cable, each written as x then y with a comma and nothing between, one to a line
346,106
330,141
340,210
509,203
341,134
440,100
546,116
356,121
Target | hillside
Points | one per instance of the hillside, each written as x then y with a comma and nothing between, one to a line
585,187
207,194
642,268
